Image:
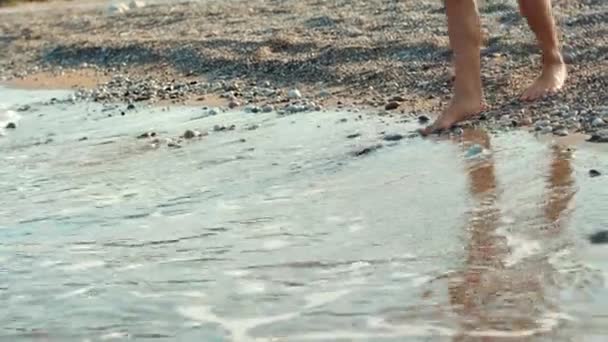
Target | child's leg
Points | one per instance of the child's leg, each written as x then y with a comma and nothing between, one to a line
553,76
464,29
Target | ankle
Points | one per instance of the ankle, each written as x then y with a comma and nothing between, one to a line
553,57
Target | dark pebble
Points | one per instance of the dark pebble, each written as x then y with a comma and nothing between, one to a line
130,106
392,105
366,150
343,120
599,237
147,135
393,137
397,98
122,113
83,139
11,125
423,119
599,137
594,173
189,134
353,136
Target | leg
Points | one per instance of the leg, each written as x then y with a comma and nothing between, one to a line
465,38
553,76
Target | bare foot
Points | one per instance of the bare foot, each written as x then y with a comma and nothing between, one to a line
457,111
549,82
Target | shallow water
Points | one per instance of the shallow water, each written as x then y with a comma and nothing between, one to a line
282,233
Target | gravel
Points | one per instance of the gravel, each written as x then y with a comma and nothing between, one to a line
276,53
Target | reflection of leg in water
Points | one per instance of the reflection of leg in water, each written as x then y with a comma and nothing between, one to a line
492,296
561,187
470,289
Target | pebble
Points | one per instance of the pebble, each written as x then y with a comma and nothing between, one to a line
146,135
233,104
252,109
353,136
599,237
294,94
267,108
458,131
83,139
392,105
561,132
212,111
24,108
252,127
324,94
598,122
594,173
130,106
474,151
423,119
11,125
397,98
393,137
546,129
136,4
366,150
599,137
190,134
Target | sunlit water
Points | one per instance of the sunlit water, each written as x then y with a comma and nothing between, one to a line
281,233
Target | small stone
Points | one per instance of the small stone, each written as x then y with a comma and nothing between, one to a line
252,127
353,136
546,130
392,105
393,137
146,135
423,119
294,94
252,109
267,108
598,122
599,237
136,4
324,94
130,106
540,124
594,173
83,139
599,137
219,128
11,125
561,132
474,151
173,144
119,8
190,134
397,98
24,108
458,131
212,111
233,104
526,121
366,150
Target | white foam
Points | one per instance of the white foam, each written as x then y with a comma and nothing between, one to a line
84,265
521,249
252,287
73,293
270,245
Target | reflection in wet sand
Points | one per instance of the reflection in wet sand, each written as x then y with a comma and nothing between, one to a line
492,297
